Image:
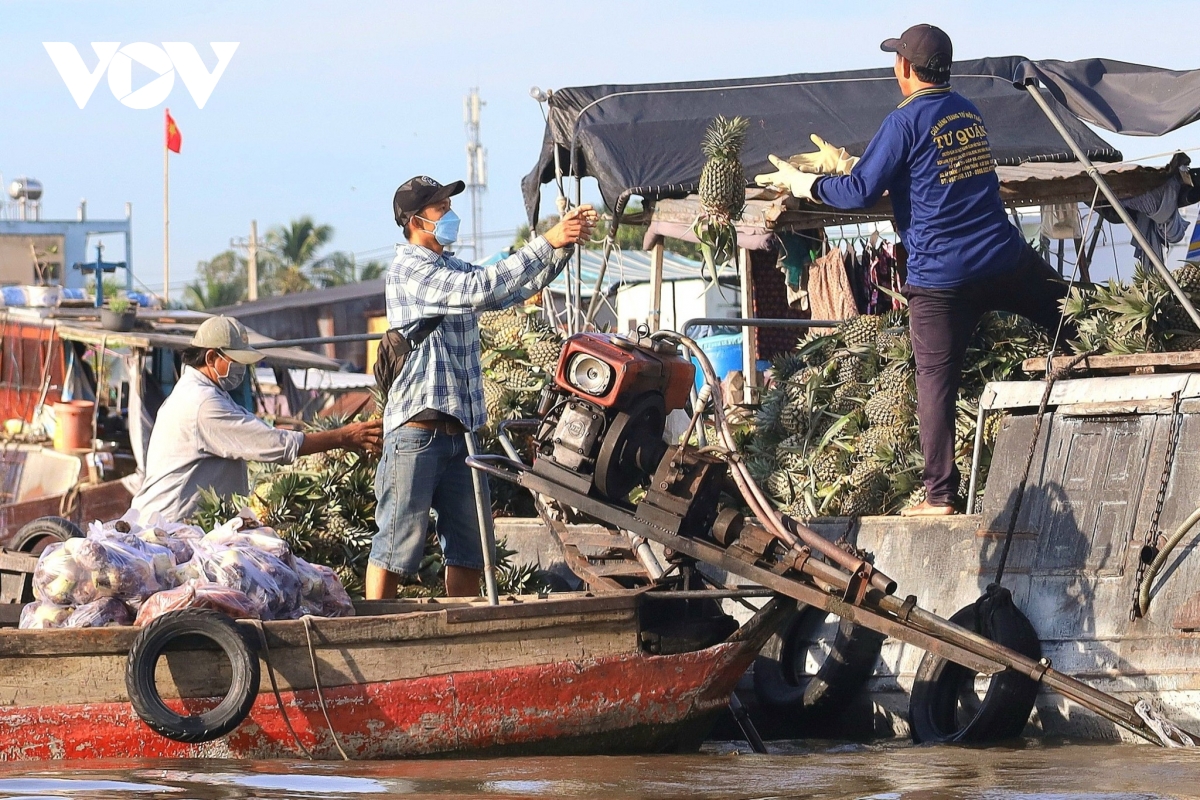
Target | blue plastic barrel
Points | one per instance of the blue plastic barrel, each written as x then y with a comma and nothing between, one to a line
725,353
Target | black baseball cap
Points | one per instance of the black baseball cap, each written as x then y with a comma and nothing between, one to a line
926,46
419,192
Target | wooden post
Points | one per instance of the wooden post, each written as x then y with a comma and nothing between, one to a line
252,263
749,351
166,228
656,281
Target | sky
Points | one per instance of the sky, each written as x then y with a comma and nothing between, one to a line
325,108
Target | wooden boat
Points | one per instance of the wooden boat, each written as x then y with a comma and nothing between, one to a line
571,673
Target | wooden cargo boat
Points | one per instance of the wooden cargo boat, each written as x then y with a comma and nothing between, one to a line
569,673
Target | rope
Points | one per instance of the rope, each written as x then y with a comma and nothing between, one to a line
312,657
1168,733
262,638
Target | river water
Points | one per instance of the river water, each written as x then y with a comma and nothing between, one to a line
1035,771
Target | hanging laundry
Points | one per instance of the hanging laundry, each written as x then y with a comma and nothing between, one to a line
829,288
1061,221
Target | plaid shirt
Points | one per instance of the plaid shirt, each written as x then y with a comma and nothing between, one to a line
443,373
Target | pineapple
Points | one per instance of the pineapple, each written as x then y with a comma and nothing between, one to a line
787,364
723,180
887,408
830,464
722,190
896,379
779,486
865,491
860,331
793,419
544,353
856,367
493,398
1188,277
790,454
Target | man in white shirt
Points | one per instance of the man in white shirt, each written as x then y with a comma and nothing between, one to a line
202,439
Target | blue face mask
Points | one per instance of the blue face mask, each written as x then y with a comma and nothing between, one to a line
445,230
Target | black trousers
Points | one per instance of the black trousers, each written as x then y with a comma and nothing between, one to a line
941,323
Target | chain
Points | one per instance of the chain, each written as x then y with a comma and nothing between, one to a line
1150,548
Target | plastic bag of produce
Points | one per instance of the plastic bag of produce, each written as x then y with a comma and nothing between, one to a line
40,615
100,614
271,584
322,594
198,594
78,571
58,579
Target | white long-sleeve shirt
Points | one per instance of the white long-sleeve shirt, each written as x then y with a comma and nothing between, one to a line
202,439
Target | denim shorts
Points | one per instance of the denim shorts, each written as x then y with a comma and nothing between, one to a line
421,470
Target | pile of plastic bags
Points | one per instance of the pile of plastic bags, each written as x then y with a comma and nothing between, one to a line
127,572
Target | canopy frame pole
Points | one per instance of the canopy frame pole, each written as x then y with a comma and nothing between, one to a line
1032,88
749,351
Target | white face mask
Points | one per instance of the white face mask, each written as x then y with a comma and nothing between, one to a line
235,373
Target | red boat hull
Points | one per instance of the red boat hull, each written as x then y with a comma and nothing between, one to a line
619,703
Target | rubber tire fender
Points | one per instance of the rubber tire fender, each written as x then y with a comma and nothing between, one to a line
150,644
1005,708
58,528
841,676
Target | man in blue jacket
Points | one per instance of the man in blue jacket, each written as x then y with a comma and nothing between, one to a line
965,258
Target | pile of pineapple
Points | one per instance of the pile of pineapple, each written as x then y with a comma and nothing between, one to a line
520,354
1142,316
836,434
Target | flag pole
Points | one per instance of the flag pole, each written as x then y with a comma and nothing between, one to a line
166,215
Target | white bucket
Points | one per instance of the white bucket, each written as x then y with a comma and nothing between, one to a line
43,296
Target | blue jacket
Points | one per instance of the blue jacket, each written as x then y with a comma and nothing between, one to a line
932,156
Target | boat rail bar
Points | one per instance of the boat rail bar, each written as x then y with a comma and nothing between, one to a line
758,322
345,337
728,322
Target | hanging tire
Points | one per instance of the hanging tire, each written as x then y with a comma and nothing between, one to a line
944,706
153,641
34,536
803,690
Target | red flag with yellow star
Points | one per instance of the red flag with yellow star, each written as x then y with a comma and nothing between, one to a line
174,137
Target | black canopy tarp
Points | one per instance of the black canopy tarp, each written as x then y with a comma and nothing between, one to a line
1119,96
648,135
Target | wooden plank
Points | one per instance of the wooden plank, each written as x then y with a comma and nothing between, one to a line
603,541
1128,364
14,561
615,569
344,631
205,673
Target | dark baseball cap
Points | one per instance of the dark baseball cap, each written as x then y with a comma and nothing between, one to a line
926,46
419,192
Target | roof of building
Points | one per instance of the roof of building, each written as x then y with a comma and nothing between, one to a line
313,297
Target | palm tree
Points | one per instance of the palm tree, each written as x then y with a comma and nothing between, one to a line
339,268
209,293
296,245
220,281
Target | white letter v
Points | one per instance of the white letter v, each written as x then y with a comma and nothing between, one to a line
196,77
80,82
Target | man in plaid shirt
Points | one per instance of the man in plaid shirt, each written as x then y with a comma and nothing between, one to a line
438,395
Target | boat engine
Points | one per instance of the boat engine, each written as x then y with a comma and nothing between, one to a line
603,417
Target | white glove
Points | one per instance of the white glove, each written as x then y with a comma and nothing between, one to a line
828,160
789,179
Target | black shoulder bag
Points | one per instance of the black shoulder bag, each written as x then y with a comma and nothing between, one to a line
394,350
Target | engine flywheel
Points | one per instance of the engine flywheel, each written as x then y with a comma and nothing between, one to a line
632,446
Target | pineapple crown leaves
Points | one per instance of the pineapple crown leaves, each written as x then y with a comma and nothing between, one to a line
725,137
